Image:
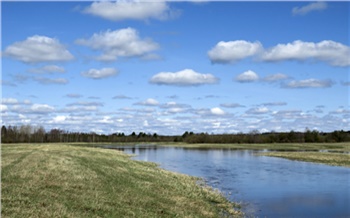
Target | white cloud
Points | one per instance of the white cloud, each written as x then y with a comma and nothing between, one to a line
121,97
41,108
328,51
148,102
248,76
186,77
231,105
309,83
9,101
75,108
274,104
86,103
38,49
259,110
59,119
173,107
135,10
217,111
47,81
316,6
99,74
73,95
232,51
3,108
119,43
275,77
333,53
48,69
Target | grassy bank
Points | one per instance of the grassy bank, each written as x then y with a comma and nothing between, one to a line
333,159
56,180
332,147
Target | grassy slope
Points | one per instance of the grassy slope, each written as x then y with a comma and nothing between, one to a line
69,181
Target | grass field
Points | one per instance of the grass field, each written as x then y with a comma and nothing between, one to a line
57,180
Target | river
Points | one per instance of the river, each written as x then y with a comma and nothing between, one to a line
266,186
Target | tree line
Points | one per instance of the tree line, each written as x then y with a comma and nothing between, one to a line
33,134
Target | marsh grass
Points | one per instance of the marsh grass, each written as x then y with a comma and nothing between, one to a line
334,159
56,180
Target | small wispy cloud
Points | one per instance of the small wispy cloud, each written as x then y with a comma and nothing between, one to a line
122,97
316,6
231,105
47,69
99,73
148,102
309,83
48,81
73,95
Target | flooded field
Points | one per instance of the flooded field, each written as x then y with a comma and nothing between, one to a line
266,186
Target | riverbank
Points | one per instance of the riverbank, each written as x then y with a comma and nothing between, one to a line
335,154
333,159
58,180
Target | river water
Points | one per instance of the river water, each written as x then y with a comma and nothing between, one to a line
266,186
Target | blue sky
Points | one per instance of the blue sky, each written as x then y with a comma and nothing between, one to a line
171,67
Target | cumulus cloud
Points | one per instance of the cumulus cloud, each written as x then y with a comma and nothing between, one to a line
333,53
119,43
100,74
37,49
47,69
134,10
248,76
328,51
232,51
309,83
187,77
316,6
148,102
217,111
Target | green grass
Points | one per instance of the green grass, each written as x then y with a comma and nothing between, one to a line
334,159
57,180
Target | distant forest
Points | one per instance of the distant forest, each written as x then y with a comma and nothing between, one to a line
31,134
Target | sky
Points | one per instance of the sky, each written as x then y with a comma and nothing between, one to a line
169,67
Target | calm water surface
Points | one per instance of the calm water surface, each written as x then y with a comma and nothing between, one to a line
266,186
